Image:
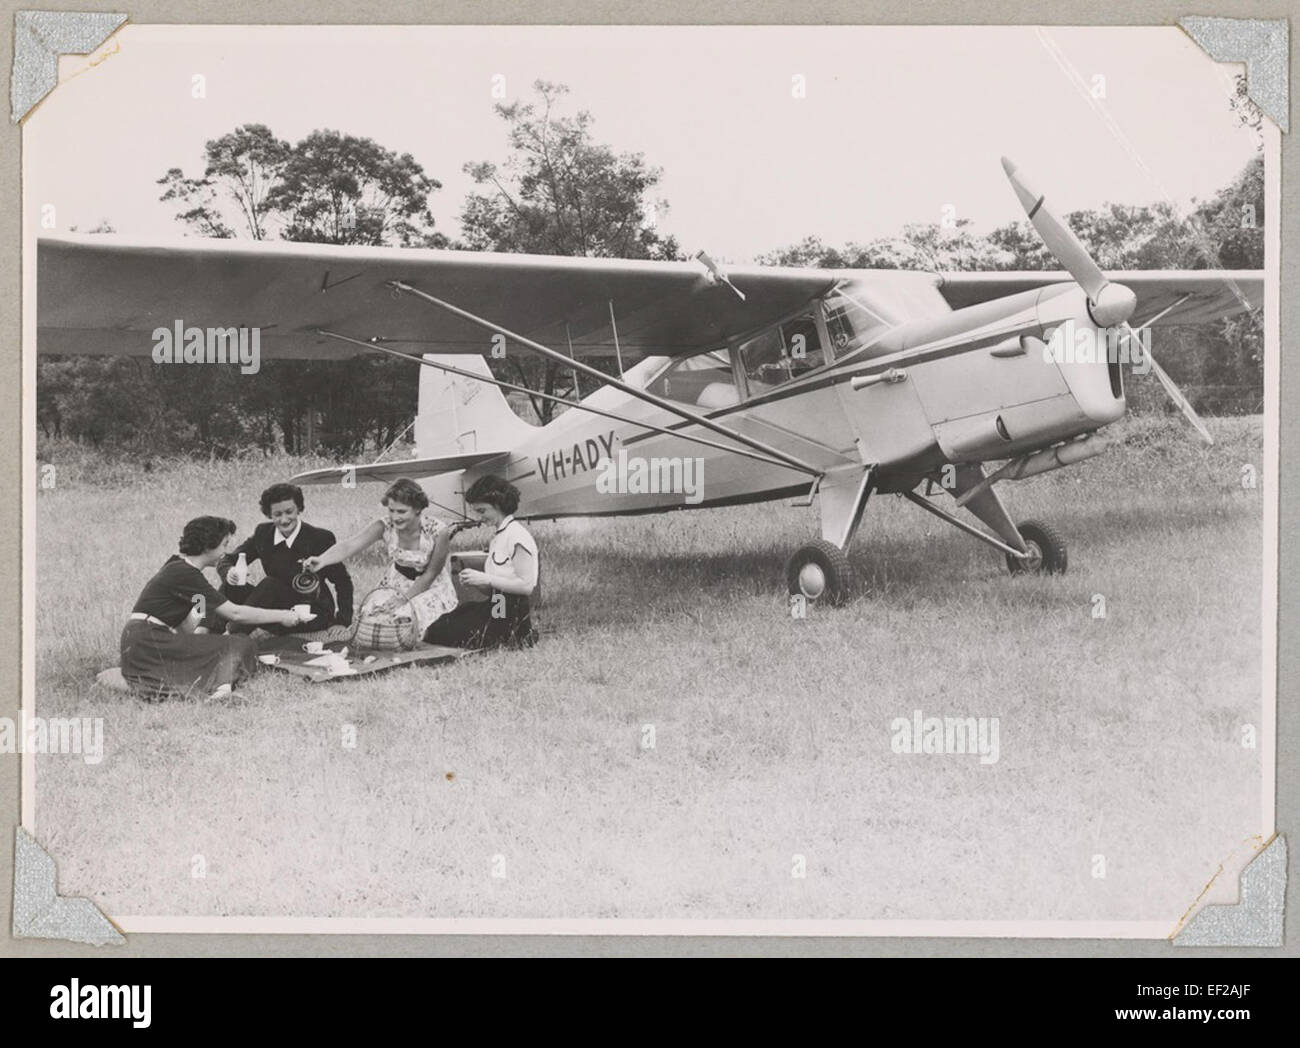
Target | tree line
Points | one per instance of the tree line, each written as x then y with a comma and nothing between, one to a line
559,192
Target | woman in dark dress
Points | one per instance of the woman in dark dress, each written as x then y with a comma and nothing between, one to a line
168,648
509,574
281,545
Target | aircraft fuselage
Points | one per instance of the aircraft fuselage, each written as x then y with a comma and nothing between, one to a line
970,386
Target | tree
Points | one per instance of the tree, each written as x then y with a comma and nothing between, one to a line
560,192
1232,223
328,188
340,189
1248,114
241,169
920,246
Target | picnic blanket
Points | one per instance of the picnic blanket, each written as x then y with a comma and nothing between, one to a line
316,668
337,662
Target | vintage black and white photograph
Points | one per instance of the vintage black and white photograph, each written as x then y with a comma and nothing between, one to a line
809,479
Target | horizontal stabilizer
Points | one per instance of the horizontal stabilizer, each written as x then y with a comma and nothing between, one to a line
388,471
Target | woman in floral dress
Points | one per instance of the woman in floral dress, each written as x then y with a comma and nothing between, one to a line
417,545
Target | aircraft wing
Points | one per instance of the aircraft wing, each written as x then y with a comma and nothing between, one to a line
1214,293
414,468
106,294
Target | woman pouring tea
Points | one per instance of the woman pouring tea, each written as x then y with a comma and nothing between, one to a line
417,543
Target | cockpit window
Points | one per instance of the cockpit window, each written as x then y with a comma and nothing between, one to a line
704,380
782,353
849,321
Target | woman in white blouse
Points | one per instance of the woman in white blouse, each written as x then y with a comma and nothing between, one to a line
510,573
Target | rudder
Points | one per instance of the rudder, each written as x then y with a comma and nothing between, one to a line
458,415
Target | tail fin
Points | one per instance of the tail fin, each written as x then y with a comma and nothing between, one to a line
459,415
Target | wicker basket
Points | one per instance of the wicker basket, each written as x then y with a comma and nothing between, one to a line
385,622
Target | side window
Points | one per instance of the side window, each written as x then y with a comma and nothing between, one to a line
782,353
704,380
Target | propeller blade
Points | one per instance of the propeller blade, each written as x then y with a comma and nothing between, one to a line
1171,388
1060,241
1108,303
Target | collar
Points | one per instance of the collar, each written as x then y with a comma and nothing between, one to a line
279,535
505,523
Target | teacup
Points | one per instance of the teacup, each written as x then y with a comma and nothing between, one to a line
314,647
303,611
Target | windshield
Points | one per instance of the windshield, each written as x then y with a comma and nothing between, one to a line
850,321
860,310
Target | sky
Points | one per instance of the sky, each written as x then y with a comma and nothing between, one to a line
888,125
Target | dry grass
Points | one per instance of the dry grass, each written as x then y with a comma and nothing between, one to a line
1119,736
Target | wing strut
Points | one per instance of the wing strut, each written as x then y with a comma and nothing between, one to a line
641,394
613,326
577,388
547,396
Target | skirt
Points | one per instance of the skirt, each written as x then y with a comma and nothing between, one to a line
279,594
474,625
434,602
160,664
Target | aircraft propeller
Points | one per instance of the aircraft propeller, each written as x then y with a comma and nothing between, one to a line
1110,305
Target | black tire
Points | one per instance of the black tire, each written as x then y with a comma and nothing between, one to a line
832,570
1049,549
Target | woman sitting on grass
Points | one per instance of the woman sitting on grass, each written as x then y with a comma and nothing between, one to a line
510,572
418,547
168,648
282,544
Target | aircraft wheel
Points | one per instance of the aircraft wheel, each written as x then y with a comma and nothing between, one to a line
1046,548
820,572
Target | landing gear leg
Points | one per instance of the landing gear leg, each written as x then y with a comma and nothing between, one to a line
1043,550
1031,548
820,571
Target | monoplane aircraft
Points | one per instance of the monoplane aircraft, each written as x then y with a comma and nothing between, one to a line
742,385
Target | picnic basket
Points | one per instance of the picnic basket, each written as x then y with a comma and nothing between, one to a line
385,622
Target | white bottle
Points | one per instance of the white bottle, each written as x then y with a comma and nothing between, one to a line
239,572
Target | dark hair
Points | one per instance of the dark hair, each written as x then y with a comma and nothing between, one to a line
205,533
281,493
407,492
493,491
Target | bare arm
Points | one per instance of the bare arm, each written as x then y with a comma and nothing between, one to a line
524,566
340,551
249,616
522,581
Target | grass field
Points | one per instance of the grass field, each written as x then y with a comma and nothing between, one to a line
1119,736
